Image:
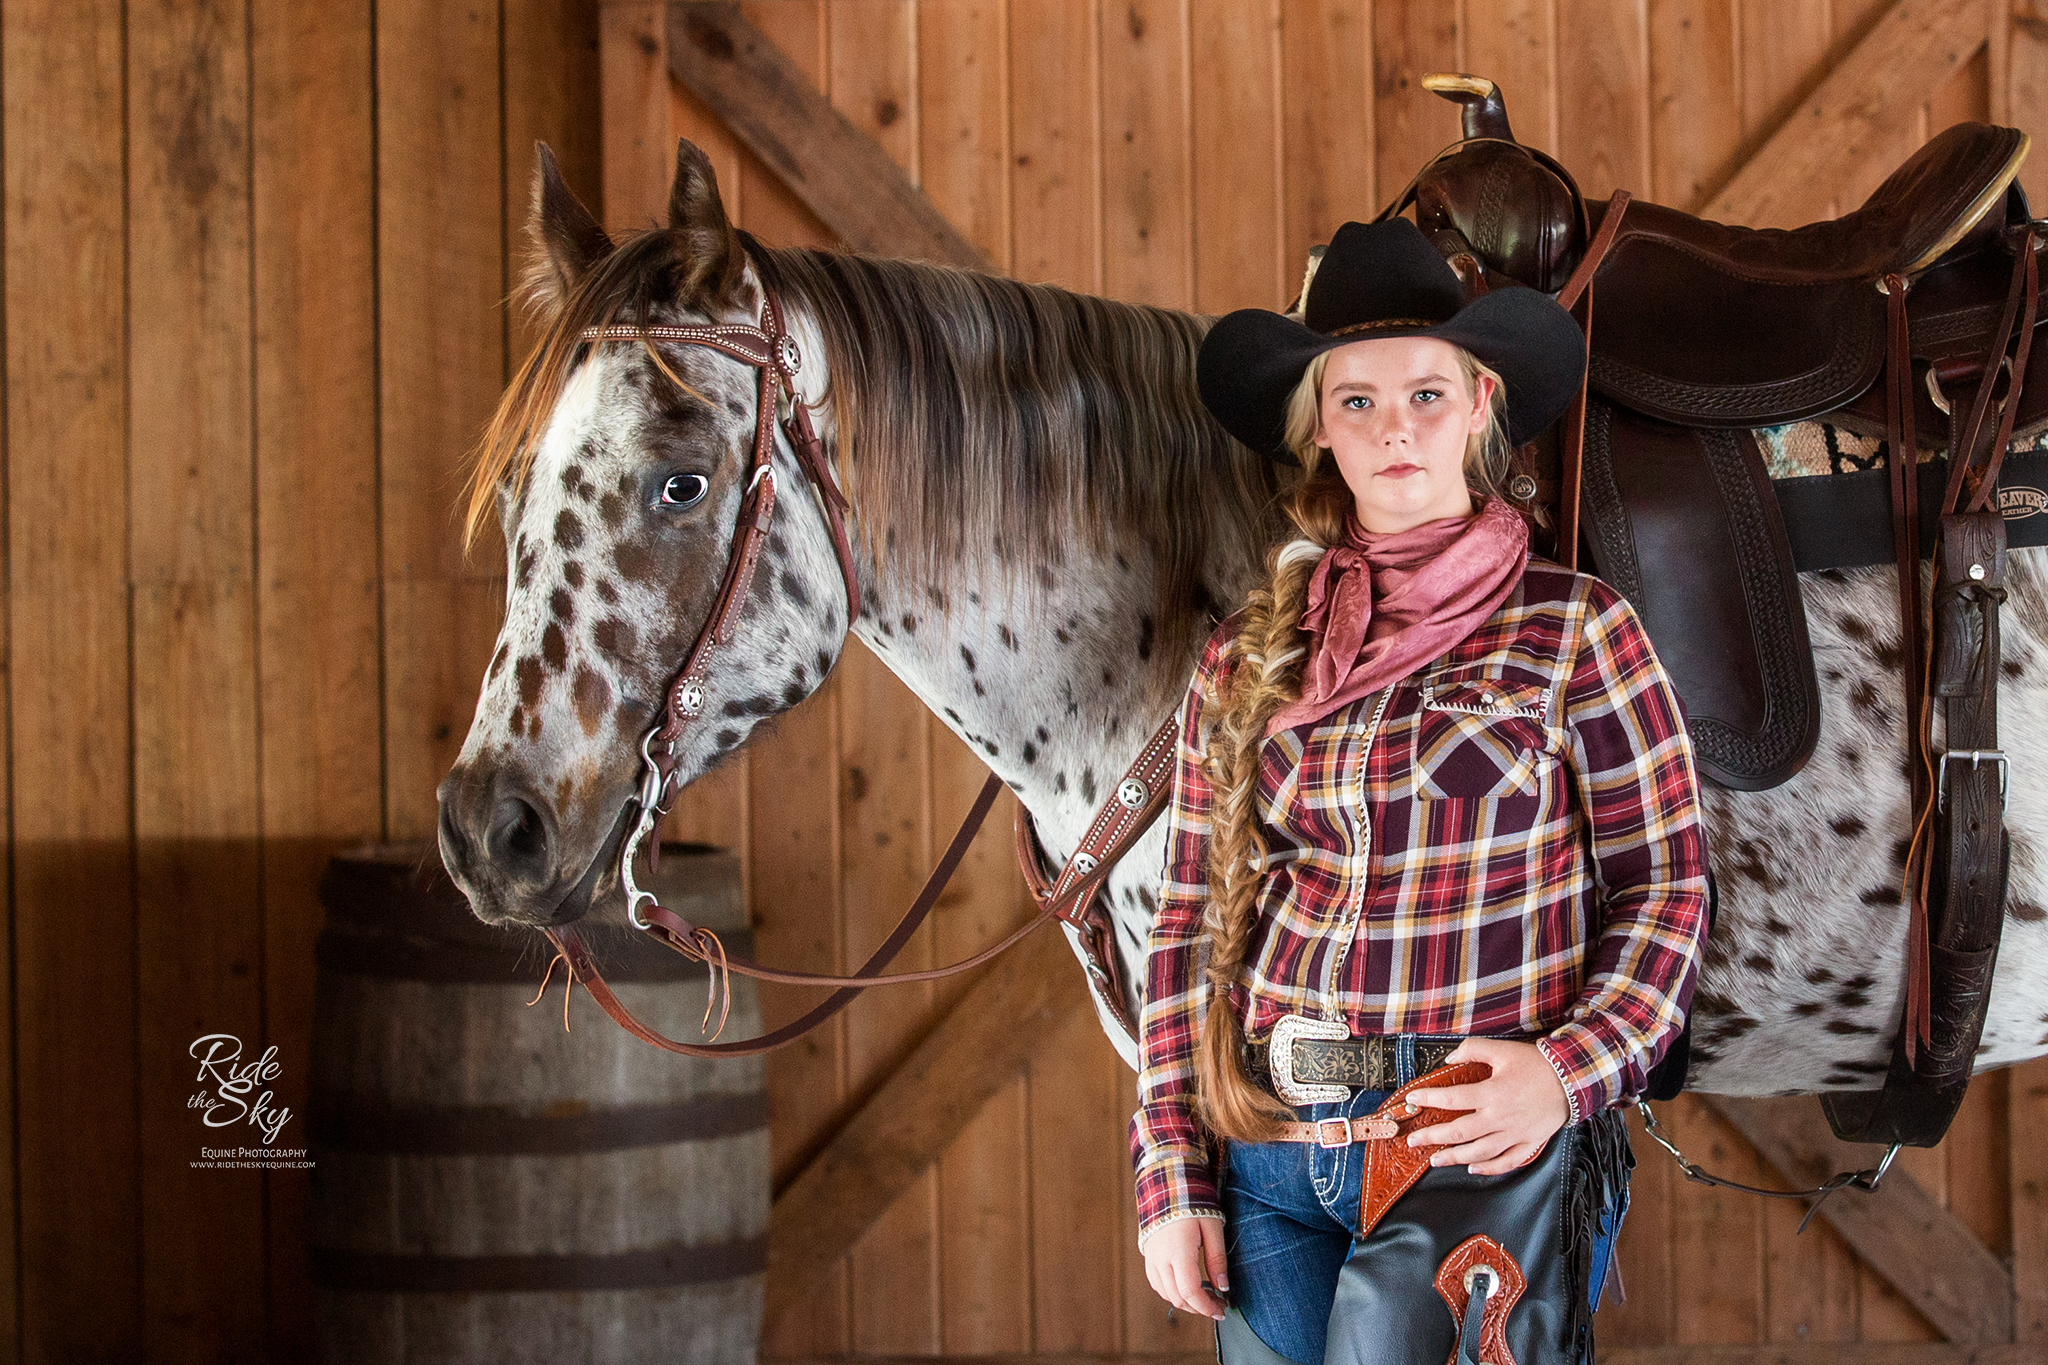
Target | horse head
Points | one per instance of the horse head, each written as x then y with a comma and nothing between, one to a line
618,470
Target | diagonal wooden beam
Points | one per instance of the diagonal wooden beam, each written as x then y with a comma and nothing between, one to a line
1860,108
842,175
994,1028
1921,1248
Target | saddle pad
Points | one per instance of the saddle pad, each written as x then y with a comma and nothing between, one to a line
1682,521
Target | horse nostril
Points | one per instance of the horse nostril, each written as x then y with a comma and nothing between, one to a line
518,841
454,847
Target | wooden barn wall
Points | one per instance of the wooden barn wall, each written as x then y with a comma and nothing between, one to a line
255,255
255,252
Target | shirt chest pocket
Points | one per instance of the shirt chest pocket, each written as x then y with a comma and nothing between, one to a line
1480,739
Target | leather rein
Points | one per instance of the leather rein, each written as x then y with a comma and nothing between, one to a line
1070,897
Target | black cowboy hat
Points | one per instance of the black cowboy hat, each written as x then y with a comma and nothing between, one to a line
1386,280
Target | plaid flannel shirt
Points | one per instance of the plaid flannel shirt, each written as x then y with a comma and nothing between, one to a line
1506,843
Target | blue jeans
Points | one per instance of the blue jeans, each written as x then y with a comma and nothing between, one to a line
1290,1218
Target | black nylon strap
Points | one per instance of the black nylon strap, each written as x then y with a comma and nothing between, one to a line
1844,521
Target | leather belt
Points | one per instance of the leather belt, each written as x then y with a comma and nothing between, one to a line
1339,1132
1288,1061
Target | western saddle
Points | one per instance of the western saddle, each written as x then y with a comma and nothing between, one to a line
1910,319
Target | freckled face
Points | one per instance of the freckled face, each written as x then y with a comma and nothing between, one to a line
1395,414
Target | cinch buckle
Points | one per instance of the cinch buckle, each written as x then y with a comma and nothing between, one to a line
1975,756
1343,1133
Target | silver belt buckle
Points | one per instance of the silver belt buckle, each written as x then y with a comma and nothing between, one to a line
1340,1126
1289,1029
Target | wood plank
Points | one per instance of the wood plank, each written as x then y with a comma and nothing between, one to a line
1326,130
1240,259
1081,1100
1695,124
199,918
1603,78
1148,256
1410,125
1147,213
841,174
318,652
963,121
798,797
1057,56
551,95
1513,43
639,143
886,809
1717,1244
75,1256
1852,20
771,209
1979,1151
902,1126
1874,91
984,1176
1900,1230
884,856
2028,1117
1639,1309
440,240
1053,145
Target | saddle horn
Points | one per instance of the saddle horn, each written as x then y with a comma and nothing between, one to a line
1480,106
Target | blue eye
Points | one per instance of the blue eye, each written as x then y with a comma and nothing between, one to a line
1427,395
1358,402
684,490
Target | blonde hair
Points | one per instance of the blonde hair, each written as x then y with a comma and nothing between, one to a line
1266,659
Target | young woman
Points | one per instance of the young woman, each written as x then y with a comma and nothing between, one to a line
1435,820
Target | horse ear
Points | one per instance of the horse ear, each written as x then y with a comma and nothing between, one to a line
566,240
713,256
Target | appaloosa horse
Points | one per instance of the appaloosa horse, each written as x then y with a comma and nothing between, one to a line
1047,524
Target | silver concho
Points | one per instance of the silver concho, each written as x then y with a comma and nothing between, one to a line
792,358
690,698
1084,863
1131,792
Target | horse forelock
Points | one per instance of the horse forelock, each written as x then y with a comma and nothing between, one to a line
635,284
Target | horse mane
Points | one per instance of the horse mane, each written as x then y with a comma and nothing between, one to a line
980,417
977,417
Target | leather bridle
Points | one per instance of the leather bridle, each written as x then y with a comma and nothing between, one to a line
1141,795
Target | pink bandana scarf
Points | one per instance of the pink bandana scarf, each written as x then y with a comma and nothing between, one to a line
1383,604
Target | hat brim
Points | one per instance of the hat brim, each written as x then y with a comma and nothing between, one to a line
1251,360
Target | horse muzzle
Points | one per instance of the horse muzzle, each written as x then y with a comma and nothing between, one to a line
504,847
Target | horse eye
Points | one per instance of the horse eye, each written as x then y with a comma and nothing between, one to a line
684,490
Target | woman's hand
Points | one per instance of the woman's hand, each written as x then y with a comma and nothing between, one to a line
1175,1257
1513,1112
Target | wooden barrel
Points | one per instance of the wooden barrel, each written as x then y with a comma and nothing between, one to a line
488,1187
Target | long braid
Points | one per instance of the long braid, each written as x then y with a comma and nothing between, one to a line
1268,655
1260,675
